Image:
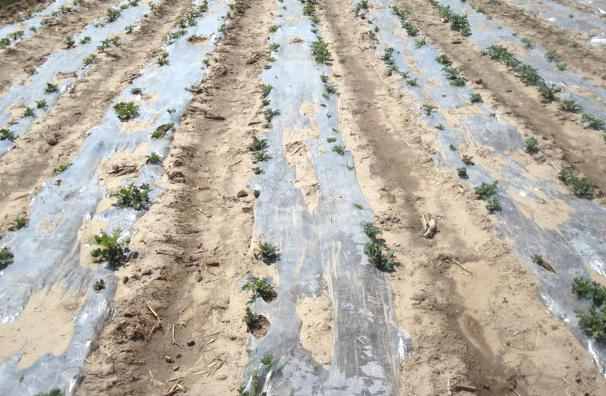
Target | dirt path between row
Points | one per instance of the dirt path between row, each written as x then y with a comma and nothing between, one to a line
562,138
195,241
55,138
17,62
487,330
9,13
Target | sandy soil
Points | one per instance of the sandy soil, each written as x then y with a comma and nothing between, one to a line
20,8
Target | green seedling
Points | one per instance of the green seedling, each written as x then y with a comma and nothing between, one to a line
527,43
89,60
561,66
40,104
162,130
549,92
52,392
570,106
531,145
476,98
18,223
61,168
540,261
69,42
486,190
110,249
29,112
6,257
257,170
592,122
581,187
453,75
261,288
253,321
331,139
267,360
552,56
357,206
428,108
126,111
265,91
458,22
439,127
267,252
99,285
112,14
256,193
51,88
371,230
131,196
412,82
403,17
136,91
493,204
593,320
85,40
462,172
467,160
452,147
319,50
273,28
258,144
163,59
361,8
444,60
154,159
420,43
383,261
269,116
129,29
339,149
260,156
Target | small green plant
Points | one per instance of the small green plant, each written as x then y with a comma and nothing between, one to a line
319,50
61,168
549,92
131,196
592,320
99,285
493,205
269,116
486,190
265,91
267,360
257,144
592,122
581,187
467,160
6,134
261,288
357,206
267,252
89,60
420,43
256,193
6,257
458,22
273,28
136,91
384,261
552,56
331,139
428,108
371,230
69,42
110,249
129,29
112,14
260,156
412,82
52,392
570,106
476,98
531,145
339,149
29,112
154,158
126,111
40,104
18,223
527,43
361,8
163,59
444,60
162,130
273,47
462,172
257,170
51,88
253,321
412,30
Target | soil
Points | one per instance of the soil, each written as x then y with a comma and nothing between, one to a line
20,8
469,304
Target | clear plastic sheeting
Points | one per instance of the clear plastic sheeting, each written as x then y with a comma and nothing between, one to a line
30,26
317,243
67,63
580,23
47,250
575,247
487,32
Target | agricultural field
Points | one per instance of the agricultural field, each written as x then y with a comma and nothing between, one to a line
302,197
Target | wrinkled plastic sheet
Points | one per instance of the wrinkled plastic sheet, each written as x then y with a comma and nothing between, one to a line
580,23
325,244
68,63
486,32
576,248
31,25
47,249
